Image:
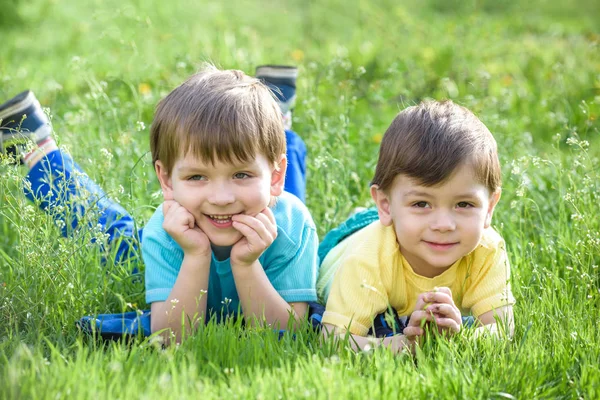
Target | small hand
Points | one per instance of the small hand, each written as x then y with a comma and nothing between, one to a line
400,344
258,233
180,224
419,317
447,316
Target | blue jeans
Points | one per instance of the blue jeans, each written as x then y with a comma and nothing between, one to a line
63,190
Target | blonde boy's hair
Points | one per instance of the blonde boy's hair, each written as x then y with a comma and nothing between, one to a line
427,142
222,115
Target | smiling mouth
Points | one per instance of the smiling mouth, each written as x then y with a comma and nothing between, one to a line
440,245
221,219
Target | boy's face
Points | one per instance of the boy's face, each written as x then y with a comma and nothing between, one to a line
436,226
214,193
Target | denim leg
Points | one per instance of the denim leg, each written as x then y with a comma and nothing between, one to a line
61,188
295,177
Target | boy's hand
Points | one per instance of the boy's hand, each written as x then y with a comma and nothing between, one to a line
435,307
258,233
447,316
399,344
441,306
419,317
181,225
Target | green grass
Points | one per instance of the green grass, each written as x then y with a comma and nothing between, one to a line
530,70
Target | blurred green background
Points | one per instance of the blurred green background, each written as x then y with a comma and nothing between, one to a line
529,69
360,63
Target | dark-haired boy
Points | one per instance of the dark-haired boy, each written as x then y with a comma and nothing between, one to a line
432,255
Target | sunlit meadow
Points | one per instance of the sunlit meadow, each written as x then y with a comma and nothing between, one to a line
529,69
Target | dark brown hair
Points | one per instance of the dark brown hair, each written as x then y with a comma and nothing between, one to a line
427,142
217,115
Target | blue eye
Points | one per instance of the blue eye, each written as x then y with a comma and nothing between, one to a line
197,178
241,175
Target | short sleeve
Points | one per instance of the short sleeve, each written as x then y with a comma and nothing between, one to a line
292,269
490,285
162,259
357,295
291,262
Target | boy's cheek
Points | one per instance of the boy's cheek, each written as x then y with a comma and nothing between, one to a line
261,205
254,213
167,194
181,198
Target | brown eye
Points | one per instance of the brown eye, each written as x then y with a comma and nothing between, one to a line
421,204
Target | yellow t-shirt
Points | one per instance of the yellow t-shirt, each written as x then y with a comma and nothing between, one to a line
366,273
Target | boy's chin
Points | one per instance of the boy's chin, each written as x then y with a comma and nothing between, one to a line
225,240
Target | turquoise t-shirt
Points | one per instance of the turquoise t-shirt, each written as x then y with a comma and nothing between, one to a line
290,263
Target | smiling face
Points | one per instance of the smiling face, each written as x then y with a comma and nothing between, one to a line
436,225
213,193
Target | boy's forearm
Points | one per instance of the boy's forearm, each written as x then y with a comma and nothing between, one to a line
498,322
493,330
187,299
259,299
396,343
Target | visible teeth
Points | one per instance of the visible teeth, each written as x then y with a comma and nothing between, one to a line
221,217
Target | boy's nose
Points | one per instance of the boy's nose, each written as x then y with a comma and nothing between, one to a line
221,195
443,221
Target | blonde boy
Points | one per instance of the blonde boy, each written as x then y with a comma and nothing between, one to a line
432,255
227,235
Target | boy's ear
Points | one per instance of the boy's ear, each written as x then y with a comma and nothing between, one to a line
278,176
382,201
494,198
165,180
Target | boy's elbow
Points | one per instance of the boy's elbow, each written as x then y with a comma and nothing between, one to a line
497,322
328,330
300,309
155,326
158,320
163,331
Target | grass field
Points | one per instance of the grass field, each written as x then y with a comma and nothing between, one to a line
530,71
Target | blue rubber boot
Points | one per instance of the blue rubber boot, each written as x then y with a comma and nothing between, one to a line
282,82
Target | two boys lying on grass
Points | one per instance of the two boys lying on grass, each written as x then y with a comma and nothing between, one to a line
229,238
